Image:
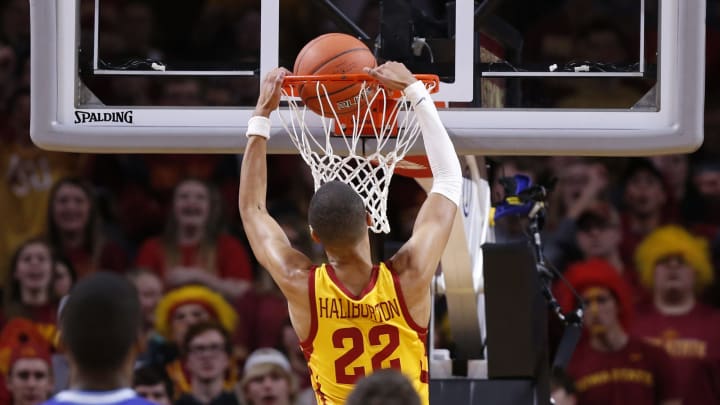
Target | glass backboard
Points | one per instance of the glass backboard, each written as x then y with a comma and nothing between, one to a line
518,77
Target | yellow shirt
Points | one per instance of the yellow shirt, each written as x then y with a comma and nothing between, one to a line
351,336
28,175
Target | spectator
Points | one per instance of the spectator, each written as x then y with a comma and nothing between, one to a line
562,388
137,31
581,182
208,353
706,179
194,249
64,277
29,379
74,229
176,312
16,24
598,236
24,357
100,328
181,92
8,66
246,38
608,366
150,290
267,378
29,173
684,198
290,347
601,39
676,266
676,172
264,311
645,203
153,384
384,387
29,293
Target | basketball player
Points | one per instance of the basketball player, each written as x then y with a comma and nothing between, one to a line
101,330
354,317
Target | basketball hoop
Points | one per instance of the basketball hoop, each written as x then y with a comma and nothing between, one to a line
378,114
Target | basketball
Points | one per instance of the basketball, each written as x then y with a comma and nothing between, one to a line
333,53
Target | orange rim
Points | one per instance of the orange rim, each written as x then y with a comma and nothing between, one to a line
293,84
416,166
291,81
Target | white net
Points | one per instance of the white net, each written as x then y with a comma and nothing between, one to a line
368,171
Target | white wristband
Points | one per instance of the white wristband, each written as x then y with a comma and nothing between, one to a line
259,126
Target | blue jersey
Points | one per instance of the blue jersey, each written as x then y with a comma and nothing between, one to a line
123,396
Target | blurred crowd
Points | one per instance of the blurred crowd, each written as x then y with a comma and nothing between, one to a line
644,233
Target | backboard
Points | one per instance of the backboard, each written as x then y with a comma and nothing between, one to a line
517,77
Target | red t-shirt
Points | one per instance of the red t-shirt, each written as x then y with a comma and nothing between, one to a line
112,257
232,260
638,374
263,317
692,340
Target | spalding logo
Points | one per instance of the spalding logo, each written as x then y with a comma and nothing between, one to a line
120,117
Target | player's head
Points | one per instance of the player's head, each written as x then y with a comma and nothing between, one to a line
337,215
384,387
101,324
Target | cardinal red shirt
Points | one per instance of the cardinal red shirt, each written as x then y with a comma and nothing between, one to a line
232,260
638,374
691,340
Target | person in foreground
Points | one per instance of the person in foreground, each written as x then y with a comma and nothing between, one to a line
101,331
354,317
384,387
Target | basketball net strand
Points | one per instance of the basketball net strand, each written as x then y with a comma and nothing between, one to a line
369,174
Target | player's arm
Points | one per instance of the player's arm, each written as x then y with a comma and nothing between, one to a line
287,266
421,254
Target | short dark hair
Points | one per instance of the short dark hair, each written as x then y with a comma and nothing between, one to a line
101,322
202,327
384,387
151,375
337,214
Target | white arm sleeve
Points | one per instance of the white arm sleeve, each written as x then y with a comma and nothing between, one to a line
447,175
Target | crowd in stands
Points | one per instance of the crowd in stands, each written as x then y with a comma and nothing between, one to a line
638,238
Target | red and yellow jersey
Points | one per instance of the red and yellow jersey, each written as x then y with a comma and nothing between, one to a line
351,336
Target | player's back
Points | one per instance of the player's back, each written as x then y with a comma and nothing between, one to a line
123,396
352,336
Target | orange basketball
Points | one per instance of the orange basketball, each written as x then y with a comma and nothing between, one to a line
333,53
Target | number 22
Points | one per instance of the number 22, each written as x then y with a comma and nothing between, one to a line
357,348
